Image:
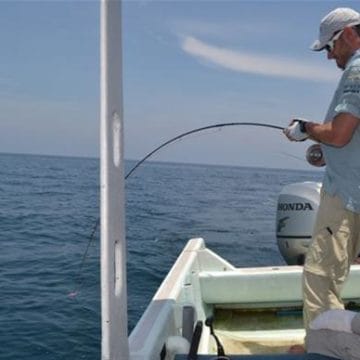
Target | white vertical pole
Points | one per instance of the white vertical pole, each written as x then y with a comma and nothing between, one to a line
114,342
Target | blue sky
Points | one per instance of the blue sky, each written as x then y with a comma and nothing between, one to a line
187,64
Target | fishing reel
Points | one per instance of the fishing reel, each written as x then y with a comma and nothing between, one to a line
314,155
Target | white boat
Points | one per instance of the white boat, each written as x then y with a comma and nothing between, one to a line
254,310
251,311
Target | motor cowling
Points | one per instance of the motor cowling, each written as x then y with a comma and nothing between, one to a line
295,217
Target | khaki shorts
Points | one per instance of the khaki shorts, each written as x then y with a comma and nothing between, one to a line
335,241
335,245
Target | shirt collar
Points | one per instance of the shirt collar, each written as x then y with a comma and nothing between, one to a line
352,57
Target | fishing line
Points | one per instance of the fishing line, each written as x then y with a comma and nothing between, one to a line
291,155
151,153
79,279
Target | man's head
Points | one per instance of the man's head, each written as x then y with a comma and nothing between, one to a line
339,34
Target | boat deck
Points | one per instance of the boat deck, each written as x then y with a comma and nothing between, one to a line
258,357
258,331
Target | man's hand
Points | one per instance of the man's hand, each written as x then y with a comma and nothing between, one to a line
296,130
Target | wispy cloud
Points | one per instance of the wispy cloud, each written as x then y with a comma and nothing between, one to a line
257,64
217,30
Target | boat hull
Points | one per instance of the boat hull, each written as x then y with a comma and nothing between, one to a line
255,310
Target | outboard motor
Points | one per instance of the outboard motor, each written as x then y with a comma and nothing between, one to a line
295,217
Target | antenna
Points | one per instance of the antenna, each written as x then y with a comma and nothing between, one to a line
114,340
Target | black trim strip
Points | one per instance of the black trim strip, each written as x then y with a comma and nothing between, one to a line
293,237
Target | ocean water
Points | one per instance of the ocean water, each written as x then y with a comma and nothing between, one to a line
49,207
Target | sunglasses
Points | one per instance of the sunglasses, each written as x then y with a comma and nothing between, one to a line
329,47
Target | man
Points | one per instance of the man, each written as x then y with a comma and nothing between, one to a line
336,236
336,334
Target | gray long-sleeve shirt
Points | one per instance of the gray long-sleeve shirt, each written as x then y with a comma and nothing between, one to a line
338,344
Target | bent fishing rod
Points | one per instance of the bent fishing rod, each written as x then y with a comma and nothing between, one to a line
168,142
178,137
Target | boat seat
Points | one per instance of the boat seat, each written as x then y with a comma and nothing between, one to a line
274,285
237,287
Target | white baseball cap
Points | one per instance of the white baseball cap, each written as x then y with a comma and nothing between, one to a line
333,22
